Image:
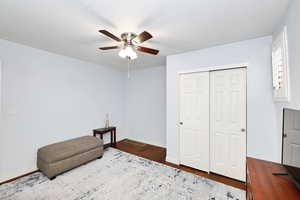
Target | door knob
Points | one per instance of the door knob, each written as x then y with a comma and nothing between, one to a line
243,130
181,123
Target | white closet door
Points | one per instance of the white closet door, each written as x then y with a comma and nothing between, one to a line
194,120
228,123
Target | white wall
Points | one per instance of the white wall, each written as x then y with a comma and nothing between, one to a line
1,141
145,105
263,132
291,20
48,98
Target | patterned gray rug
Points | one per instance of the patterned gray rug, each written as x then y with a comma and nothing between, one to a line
120,176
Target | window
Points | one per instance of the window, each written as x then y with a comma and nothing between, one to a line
280,66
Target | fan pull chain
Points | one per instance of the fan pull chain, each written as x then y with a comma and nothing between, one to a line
128,68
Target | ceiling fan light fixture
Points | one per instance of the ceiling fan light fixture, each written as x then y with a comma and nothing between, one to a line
130,44
128,52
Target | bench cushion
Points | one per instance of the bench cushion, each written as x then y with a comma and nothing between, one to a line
62,150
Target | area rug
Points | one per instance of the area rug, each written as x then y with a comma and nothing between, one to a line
120,176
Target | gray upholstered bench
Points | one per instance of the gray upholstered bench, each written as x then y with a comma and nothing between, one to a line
57,158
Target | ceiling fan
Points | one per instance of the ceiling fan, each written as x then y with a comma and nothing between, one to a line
130,43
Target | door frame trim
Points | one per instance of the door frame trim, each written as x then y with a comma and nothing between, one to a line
213,68
206,69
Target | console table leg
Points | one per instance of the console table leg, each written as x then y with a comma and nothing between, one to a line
111,138
115,137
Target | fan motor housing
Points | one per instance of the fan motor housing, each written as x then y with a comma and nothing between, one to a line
128,37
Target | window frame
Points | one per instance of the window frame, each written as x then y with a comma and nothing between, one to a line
281,92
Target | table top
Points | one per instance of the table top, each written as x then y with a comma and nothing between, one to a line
105,129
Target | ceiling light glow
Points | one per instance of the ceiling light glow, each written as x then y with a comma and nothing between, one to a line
128,52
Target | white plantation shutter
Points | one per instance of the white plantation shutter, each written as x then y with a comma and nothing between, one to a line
277,60
280,67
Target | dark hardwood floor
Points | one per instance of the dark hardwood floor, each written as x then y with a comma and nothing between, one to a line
148,151
158,154
263,184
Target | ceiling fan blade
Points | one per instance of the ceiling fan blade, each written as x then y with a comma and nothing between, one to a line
147,50
108,48
108,34
142,37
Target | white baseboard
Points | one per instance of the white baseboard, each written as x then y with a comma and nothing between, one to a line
173,159
17,175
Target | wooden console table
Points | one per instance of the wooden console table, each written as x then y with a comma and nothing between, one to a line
102,131
263,185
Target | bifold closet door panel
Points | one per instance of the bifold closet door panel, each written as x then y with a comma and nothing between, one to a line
194,120
228,123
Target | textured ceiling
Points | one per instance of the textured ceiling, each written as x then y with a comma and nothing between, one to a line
70,27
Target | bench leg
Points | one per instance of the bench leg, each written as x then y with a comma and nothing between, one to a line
52,178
